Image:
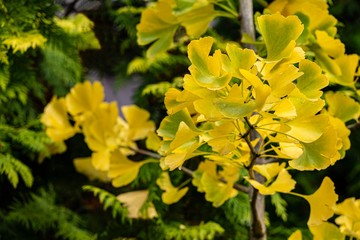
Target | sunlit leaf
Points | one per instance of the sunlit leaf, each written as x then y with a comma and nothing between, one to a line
333,47
134,201
122,170
279,34
326,230
84,97
312,81
297,235
172,194
85,166
22,42
348,65
318,154
138,121
56,120
342,106
321,202
207,70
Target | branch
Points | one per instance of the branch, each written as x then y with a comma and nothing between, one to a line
247,20
186,170
354,126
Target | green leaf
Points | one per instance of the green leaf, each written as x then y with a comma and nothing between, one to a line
14,169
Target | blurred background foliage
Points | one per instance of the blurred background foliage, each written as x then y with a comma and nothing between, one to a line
41,197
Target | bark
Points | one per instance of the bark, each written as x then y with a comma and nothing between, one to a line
257,201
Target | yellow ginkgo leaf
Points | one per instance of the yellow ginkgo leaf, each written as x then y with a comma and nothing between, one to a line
321,202
283,183
342,106
308,129
207,70
269,171
333,47
134,201
172,194
84,97
85,166
56,120
157,26
297,235
279,34
350,208
312,80
318,154
197,20
343,133
238,58
175,100
153,142
123,171
326,230
348,65
139,124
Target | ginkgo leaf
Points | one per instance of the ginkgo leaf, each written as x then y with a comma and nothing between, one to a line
350,207
305,107
333,47
326,230
208,108
342,106
172,194
175,100
85,166
123,171
283,183
170,124
183,135
269,171
237,59
101,159
157,26
308,129
318,154
56,120
84,97
297,235
216,191
178,156
343,133
281,79
321,202
207,70
312,81
134,201
153,142
279,34
138,122
348,65
197,20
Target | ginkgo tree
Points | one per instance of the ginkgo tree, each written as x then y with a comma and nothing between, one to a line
247,118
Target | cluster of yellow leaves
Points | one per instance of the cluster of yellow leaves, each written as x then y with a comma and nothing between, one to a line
319,39
229,93
161,20
110,137
347,221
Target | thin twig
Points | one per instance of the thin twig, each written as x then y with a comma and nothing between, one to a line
186,170
354,126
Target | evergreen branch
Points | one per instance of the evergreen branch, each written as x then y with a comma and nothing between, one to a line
109,201
13,168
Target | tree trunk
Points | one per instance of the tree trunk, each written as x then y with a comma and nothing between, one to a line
257,201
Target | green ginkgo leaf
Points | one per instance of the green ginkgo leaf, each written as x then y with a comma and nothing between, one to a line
279,34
